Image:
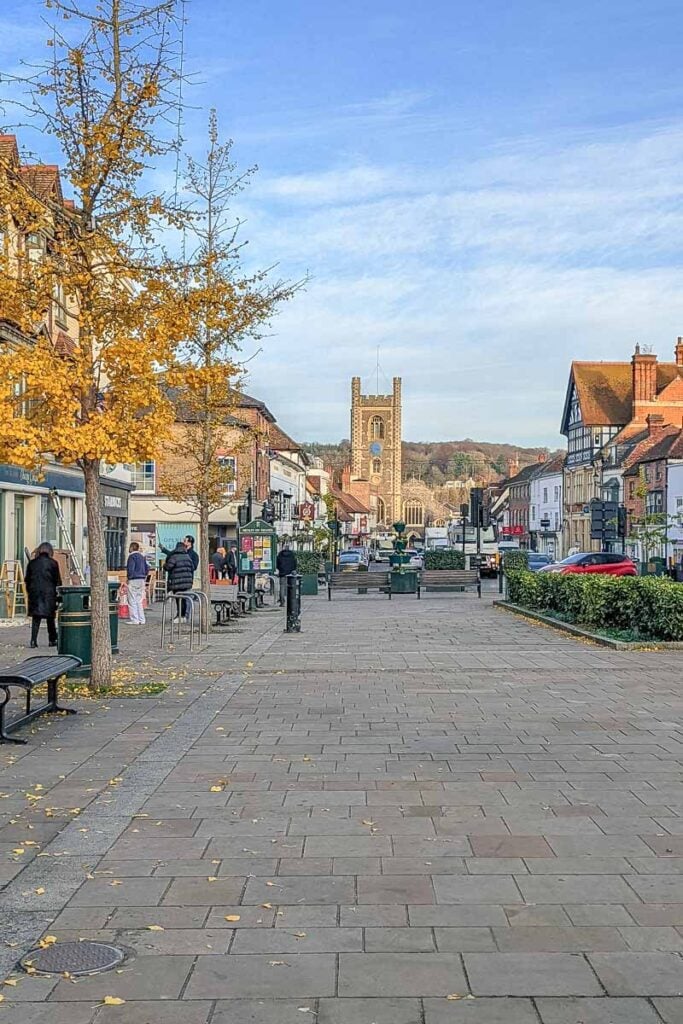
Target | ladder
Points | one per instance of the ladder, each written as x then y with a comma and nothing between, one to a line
13,587
59,512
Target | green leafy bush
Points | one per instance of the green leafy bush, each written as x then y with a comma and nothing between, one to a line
515,558
648,607
445,558
308,562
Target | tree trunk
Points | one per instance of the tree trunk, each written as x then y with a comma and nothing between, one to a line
204,548
100,675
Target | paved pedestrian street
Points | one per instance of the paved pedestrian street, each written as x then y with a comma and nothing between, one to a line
411,813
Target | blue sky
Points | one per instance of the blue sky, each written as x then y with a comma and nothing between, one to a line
485,191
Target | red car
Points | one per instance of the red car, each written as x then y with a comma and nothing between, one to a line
592,561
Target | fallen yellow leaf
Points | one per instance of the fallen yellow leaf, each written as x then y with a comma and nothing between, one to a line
232,917
454,995
10,981
216,789
39,891
154,928
113,1001
212,878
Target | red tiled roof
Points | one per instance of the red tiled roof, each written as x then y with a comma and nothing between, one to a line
43,180
280,441
8,149
655,446
64,344
605,390
349,502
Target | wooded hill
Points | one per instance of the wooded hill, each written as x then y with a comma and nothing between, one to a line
434,462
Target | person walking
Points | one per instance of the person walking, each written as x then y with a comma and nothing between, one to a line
188,541
42,579
286,563
179,573
136,573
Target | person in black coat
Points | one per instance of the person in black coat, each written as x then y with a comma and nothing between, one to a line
180,575
286,563
219,561
42,579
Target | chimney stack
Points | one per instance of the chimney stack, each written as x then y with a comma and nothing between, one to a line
513,466
655,423
644,381
542,457
679,352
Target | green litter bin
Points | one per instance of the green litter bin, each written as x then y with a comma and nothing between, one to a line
75,625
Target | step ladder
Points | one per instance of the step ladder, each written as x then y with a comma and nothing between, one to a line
13,587
66,536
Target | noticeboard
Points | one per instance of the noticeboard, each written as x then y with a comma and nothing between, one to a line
257,547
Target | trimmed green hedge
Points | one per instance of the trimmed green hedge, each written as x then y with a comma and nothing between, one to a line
515,558
445,558
308,562
648,606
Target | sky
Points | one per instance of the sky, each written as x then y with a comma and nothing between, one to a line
482,191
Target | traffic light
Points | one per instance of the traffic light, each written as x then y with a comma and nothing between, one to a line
621,521
476,495
486,510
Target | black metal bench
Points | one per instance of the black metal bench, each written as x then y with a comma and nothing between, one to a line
27,675
449,579
362,582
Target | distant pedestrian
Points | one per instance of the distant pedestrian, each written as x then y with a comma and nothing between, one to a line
219,561
180,573
232,563
286,563
42,579
136,573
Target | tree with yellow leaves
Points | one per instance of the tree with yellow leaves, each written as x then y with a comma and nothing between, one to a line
224,306
102,94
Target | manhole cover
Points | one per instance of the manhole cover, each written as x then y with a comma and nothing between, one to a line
74,957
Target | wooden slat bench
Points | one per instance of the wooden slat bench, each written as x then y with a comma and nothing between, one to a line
225,600
449,579
27,675
358,581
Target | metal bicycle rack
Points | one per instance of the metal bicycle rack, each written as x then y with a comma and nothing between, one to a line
198,607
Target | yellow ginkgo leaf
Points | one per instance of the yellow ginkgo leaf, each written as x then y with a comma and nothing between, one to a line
250,664
113,1001
19,850
10,981
212,878
39,891
232,917
154,928
214,789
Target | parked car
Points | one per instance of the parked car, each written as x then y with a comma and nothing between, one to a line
416,558
537,560
352,560
608,562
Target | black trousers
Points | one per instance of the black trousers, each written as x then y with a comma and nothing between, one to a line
51,628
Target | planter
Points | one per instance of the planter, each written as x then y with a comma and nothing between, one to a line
309,584
404,582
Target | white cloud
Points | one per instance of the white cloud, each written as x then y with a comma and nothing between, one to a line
480,283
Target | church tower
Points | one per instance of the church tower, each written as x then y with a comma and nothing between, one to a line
376,445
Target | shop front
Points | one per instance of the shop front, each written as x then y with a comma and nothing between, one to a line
27,514
115,495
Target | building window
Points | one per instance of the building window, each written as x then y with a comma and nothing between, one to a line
377,428
413,513
545,495
556,493
377,466
381,510
533,511
228,463
61,317
654,502
631,488
144,475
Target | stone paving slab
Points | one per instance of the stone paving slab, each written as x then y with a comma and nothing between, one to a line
407,814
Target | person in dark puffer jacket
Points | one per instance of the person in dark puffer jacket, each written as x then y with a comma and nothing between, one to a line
180,574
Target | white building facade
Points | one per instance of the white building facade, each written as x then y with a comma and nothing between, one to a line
545,511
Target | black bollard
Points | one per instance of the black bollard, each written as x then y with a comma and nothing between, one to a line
293,603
